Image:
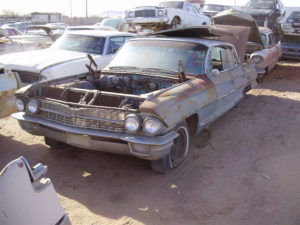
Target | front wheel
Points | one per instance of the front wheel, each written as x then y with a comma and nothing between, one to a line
175,23
178,153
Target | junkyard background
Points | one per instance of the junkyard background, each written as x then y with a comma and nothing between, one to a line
246,173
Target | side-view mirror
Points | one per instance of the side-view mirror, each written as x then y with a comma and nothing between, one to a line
215,72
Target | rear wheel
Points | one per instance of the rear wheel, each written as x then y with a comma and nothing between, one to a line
178,153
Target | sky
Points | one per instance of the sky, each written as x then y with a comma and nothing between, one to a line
95,7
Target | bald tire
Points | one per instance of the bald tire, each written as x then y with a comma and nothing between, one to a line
178,153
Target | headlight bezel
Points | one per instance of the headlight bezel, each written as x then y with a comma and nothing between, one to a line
135,118
33,102
257,59
160,12
23,104
130,14
157,122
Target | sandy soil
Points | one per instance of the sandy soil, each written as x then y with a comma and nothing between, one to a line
247,173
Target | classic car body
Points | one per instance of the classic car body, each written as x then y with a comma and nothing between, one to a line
292,23
147,101
212,9
34,37
291,46
66,57
267,13
28,198
37,35
262,47
169,14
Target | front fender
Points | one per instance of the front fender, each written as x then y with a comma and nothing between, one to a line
181,101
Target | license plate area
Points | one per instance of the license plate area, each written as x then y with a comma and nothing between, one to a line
81,141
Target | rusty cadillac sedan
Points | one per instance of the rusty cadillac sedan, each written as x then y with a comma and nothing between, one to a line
155,93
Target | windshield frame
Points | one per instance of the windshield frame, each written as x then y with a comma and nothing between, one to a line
60,41
196,51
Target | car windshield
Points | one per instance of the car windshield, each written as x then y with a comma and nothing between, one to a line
261,4
80,43
160,54
218,8
171,4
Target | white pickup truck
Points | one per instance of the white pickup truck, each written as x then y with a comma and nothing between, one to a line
168,14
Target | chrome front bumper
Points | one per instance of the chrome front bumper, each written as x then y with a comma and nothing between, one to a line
145,147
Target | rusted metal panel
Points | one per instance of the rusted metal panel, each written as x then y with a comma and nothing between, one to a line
237,18
180,102
8,86
7,102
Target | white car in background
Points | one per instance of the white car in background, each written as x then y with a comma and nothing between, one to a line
168,14
66,57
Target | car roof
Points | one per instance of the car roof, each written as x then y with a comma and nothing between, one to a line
203,41
99,33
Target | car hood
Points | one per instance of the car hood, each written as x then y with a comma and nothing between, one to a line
254,12
38,60
238,18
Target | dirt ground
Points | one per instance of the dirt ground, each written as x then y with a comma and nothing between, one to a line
247,173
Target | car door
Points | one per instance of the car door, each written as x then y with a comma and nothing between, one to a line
224,73
8,86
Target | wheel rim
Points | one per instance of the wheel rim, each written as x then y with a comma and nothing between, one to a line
180,147
174,23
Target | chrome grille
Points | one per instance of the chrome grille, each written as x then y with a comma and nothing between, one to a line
144,13
92,118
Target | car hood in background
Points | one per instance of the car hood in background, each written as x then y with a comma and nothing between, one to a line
239,18
38,60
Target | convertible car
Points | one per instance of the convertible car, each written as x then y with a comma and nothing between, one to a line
156,92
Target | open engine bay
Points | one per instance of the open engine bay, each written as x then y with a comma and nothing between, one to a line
110,89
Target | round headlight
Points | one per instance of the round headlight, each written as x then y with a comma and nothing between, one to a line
257,59
33,106
133,123
131,14
20,104
160,12
152,126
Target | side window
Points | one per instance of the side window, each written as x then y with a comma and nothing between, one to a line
223,58
189,8
114,44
